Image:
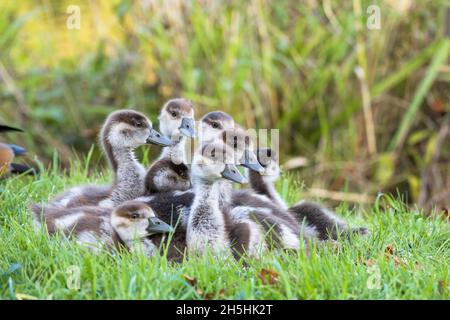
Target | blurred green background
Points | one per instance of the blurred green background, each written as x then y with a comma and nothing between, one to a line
360,110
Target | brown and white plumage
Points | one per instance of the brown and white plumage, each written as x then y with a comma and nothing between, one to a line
170,203
214,123
221,227
241,143
263,183
324,223
206,226
171,171
129,225
176,206
122,132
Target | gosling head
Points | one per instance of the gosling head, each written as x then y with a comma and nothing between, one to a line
268,158
215,161
130,129
242,145
213,123
134,220
177,118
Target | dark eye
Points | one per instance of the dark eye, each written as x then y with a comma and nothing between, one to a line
140,124
174,114
213,154
134,215
215,125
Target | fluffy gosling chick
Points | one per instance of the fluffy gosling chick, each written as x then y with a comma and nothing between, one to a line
171,171
122,132
130,224
207,222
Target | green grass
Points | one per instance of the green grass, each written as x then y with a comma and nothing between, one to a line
37,265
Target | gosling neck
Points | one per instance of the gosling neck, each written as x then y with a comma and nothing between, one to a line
221,190
264,186
126,163
258,183
177,151
226,190
128,176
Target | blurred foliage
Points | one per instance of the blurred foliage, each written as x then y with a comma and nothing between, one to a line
367,108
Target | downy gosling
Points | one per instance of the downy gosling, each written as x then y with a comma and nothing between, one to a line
129,225
122,132
171,171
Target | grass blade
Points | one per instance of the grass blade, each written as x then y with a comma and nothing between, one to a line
439,58
400,75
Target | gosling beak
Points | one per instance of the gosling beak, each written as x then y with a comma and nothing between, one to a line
158,139
187,127
251,162
156,225
232,173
